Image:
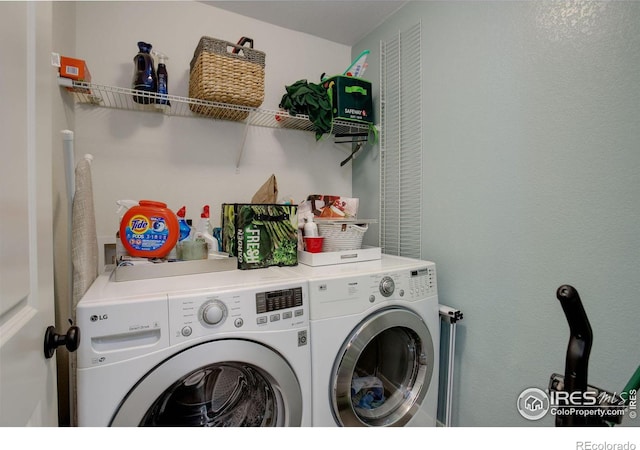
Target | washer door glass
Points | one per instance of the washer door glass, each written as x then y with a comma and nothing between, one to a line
222,383
383,370
224,394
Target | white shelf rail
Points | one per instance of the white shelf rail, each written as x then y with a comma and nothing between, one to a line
173,105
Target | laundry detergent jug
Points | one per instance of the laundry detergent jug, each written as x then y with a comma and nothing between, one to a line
149,230
144,74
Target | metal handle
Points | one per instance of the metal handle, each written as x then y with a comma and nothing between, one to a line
53,340
579,348
578,351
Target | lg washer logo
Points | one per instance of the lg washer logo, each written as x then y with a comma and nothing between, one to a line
96,317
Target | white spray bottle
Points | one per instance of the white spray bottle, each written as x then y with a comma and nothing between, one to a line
310,227
204,230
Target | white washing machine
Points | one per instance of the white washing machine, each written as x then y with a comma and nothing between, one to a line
217,349
375,342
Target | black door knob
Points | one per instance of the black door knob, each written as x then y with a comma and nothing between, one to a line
53,340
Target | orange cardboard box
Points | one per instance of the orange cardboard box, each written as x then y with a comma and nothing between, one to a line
73,68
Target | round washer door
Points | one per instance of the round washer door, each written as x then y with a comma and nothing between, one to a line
383,370
218,383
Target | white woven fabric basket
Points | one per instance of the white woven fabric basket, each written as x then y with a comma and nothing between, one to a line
341,236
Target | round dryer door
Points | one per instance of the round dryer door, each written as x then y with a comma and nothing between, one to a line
212,385
383,370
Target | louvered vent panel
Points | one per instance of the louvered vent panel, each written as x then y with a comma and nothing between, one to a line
401,144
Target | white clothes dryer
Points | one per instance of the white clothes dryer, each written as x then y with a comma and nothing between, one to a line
375,328
217,349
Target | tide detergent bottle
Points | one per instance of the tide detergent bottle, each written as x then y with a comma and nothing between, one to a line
149,230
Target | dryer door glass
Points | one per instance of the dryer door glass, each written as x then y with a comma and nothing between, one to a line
219,383
383,370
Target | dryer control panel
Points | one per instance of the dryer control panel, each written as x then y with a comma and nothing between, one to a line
353,292
422,282
410,285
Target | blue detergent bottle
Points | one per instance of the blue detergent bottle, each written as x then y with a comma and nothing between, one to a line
144,74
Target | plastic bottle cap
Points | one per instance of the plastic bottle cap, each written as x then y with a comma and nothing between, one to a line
152,203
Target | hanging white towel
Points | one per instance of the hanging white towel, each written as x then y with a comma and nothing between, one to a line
84,240
84,255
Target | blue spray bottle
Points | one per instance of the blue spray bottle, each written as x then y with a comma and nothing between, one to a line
185,229
163,79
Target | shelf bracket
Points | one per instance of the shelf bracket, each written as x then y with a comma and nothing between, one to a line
242,144
355,150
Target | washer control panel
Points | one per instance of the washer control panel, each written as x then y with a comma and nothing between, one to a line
195,315
279,299
272,306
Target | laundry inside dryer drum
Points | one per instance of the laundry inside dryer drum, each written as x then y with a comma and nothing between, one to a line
219,395
394,367
384,372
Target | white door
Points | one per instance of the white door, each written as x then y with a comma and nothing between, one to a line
28,395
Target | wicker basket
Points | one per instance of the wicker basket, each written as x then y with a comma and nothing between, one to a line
341,236
228,73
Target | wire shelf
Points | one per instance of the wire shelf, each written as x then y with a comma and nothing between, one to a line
173,105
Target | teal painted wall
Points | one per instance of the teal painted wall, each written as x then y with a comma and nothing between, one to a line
531,151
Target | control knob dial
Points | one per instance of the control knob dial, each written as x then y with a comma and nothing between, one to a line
387,286
213,312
